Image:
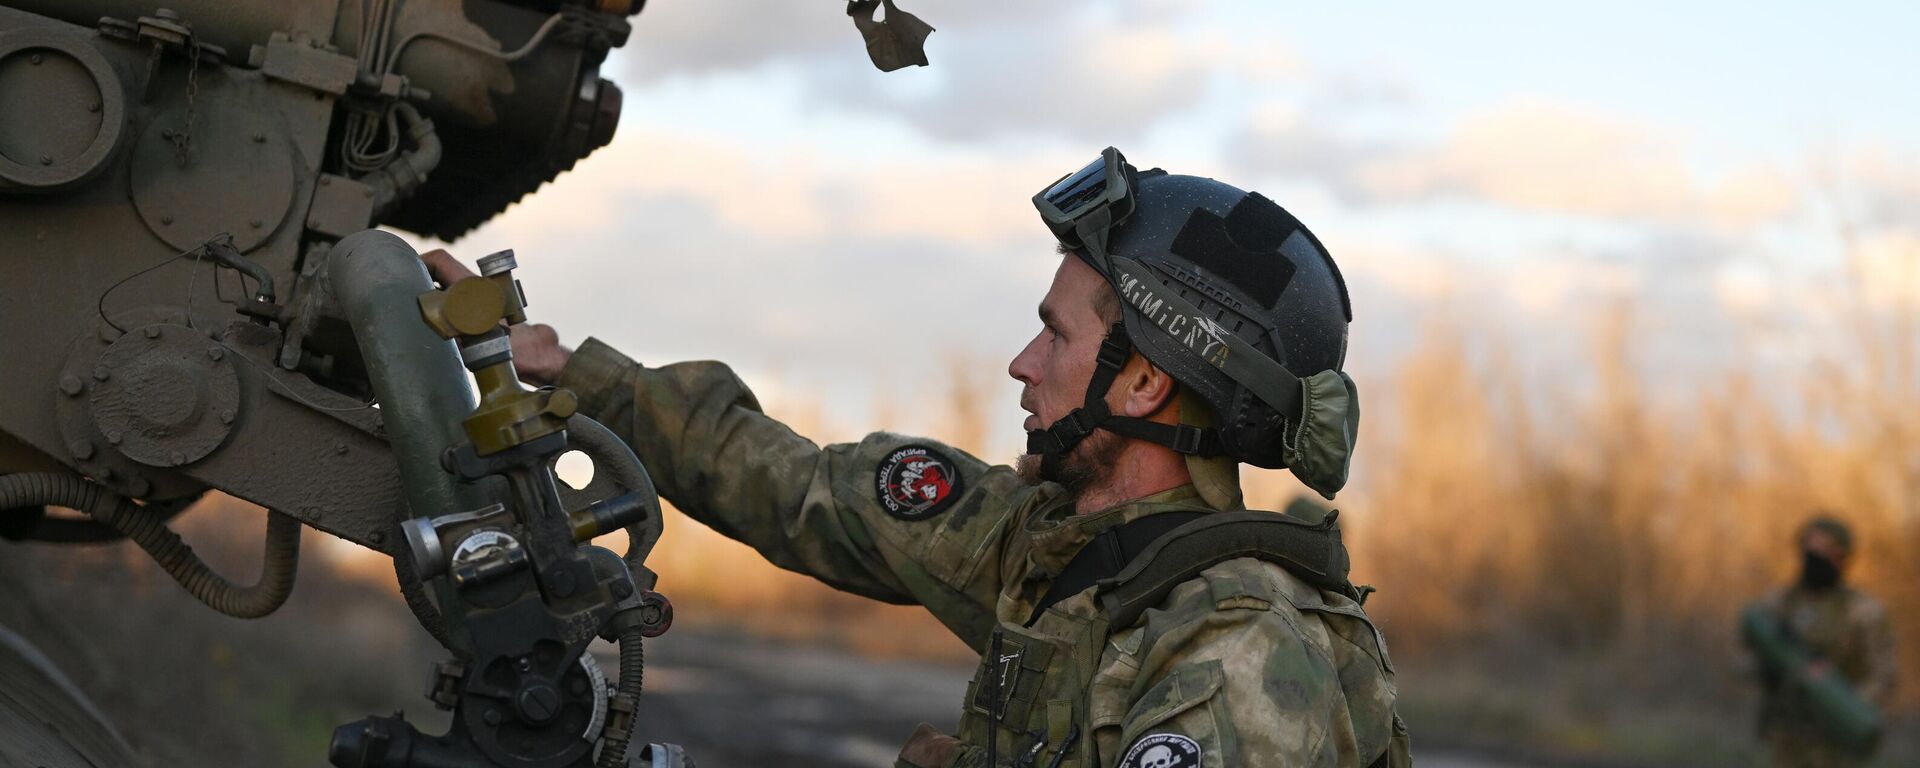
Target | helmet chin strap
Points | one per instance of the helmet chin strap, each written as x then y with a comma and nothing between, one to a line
1054,442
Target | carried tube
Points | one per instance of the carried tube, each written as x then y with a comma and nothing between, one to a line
1853,723
277,566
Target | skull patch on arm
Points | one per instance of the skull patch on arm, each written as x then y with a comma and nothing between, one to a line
1162,750
916,482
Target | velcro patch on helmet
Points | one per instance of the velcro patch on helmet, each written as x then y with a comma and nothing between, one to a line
1243,248
1162,750
916,482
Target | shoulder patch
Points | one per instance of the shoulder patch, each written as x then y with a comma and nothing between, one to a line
916,482
1162,750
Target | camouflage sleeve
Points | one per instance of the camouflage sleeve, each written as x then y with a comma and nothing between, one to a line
1877,635
894,518
1232,674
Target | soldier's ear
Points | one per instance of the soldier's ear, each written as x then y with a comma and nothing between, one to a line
1149,390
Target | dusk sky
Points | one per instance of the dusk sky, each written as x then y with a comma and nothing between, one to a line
839,235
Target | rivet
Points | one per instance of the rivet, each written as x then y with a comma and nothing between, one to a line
100,374
46,160
216,353
36,58
340,449
177,458
113,437
167,219
81,449
94,107
166,133
259,138
326,180
256,223
108,333
226,416
152,331
70,385
377,537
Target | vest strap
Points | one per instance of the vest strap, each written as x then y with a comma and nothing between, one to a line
1136,564
1311,551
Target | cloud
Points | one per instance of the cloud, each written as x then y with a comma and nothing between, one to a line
703,37
1105,73
1876,188
1527,156
791,191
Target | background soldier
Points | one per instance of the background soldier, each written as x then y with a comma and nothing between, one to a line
1243,645
1827,665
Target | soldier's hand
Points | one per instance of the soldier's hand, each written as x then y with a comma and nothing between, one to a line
445,269
537,353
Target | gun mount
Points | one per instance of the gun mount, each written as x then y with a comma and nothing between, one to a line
154,158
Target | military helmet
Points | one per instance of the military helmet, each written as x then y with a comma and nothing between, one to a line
1245,261
1230,295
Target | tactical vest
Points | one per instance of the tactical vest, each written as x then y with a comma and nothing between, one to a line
1027,705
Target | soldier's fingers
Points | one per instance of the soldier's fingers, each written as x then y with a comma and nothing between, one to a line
444,268
544,333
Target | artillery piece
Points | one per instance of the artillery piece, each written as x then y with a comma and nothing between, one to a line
150,154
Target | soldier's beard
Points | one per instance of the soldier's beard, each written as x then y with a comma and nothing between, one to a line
1088,465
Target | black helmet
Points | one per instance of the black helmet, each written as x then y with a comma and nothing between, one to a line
1231,296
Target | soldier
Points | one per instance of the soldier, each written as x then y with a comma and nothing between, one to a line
1190,326
1827,668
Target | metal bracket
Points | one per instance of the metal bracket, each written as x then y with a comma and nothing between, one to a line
304,64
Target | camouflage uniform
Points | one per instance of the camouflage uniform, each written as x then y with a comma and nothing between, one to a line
1245,666
1847,628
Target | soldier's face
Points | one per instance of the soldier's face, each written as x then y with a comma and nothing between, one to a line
1825,545
1058,362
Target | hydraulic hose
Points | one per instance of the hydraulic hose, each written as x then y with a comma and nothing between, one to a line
409,169
149,530
613,747
56,530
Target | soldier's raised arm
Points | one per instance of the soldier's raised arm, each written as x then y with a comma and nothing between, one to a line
895,518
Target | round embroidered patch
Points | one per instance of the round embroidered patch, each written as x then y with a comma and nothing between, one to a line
916,482
1162,750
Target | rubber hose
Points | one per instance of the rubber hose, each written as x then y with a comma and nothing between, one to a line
47,529
613,749
612,455
59,530
277,566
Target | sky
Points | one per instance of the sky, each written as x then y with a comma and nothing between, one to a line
842,236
